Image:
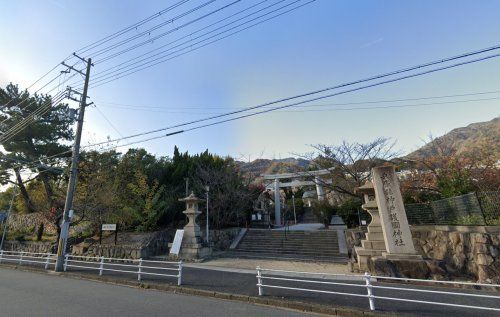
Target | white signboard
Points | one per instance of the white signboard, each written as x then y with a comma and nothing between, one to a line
176,245
109,227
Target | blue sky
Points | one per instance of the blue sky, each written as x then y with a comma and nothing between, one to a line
322,44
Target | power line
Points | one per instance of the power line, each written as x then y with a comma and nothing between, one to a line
129,28
30,118
294,104
147,32
107,120
105,74
159,108
191,34
276,108
191,47
405,70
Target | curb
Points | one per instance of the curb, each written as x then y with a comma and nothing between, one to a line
263,301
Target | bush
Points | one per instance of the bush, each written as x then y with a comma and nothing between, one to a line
471,220
323,212
348,211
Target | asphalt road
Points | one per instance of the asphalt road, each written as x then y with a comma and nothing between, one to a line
32,294
244,284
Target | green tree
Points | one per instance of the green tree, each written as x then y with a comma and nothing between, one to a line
46,136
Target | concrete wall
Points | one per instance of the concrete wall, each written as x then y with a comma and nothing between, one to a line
462,251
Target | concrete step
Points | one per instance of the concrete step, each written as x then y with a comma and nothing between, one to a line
286,257
293,246
306,245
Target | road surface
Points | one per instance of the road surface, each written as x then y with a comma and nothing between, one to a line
32,294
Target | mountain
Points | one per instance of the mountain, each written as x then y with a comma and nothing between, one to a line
466,139
265,166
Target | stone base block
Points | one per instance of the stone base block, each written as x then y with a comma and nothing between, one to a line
401,256
364,256
194,252
373,245
380,265
375,236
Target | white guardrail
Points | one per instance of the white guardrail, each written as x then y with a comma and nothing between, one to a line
101,264
20,257
366,283
133,266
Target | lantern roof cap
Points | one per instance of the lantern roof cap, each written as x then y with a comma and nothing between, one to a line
367,188
191,198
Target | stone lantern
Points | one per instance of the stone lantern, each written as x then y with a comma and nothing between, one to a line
374,244
191,247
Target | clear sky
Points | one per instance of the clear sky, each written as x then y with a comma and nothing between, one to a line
321,44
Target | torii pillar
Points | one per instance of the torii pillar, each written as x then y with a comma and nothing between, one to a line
277,203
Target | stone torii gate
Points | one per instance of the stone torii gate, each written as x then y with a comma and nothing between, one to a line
297,180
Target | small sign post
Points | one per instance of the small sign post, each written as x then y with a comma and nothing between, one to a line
109,227
176,245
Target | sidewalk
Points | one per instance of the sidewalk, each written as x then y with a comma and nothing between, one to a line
248,266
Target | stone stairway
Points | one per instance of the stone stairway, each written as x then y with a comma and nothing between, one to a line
318,245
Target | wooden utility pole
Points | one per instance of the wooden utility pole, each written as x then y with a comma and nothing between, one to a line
68,206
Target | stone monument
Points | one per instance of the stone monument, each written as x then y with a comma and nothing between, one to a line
374,244
395,228
192,247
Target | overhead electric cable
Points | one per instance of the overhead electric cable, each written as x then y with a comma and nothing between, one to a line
289,105
191,49
149,107
129,28
106,73
167,32
148,32
334,87
30,118
192,33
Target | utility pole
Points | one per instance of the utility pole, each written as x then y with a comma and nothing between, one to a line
68,206
4,234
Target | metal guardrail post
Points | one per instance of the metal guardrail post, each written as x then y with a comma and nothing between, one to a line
47,261
140,270
65,265
179,277
259,281
101,266
1,256
369,289
21,258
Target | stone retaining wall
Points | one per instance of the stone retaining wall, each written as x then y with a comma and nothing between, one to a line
148,244
129,246
222,239
33,247
464,251
28,223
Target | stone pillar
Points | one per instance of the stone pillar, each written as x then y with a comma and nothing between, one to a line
277,203
395,228
320,191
